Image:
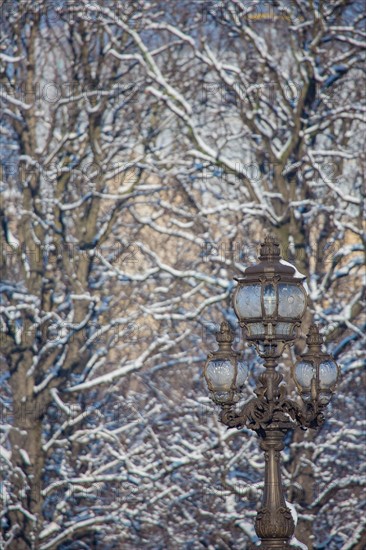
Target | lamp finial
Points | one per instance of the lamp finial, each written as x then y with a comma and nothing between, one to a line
225,336
270,249
314,338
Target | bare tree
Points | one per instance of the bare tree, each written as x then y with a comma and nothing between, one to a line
147,149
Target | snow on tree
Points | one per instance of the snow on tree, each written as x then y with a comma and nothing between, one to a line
147,148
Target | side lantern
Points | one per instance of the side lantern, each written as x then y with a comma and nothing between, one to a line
225,374
316,374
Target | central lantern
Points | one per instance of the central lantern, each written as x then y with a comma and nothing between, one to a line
270,300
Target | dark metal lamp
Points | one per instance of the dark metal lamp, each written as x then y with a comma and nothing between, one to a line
270,302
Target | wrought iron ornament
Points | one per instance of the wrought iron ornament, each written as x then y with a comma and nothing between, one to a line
270,302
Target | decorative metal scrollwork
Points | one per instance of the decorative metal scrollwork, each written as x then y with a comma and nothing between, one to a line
274,523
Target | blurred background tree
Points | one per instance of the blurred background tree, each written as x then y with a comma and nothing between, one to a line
147,148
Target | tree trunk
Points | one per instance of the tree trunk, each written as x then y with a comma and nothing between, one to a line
27,458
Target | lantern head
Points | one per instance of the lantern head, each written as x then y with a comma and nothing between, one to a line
270,299
316,374
225,374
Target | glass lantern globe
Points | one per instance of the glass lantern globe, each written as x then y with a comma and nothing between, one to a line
270,300
304,374
225,374
328,377
328,374
225,377
317,373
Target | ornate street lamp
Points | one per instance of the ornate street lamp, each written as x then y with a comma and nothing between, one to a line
270,302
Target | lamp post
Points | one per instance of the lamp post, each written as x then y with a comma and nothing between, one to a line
270,302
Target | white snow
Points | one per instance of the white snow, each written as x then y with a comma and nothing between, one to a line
25,457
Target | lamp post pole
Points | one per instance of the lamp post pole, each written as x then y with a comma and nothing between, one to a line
270,302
